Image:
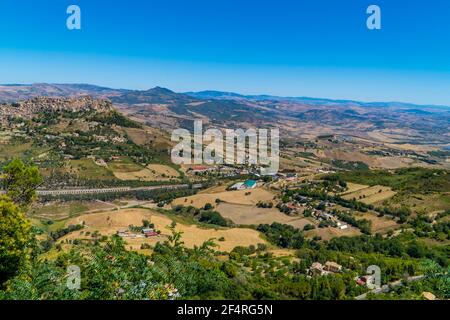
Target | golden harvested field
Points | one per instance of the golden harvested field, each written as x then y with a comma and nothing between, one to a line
215,189
160,170
395,162
370,195
252,215
237,197
353,187
153,172
346,155
108,223
138,136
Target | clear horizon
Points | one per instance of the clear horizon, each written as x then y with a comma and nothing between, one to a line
214,90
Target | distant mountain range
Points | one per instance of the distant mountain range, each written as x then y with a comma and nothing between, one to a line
308,100
15,92
297,116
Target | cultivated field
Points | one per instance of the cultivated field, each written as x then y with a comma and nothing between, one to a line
433,202
353,187
9,151
244,197
108,223
369,195
153,172
63,210
252,215
88,169
379,224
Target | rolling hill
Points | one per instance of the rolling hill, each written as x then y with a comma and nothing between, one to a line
385,130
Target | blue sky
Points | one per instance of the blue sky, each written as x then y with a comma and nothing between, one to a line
319,48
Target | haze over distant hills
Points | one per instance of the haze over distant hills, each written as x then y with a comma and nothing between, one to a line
393,122
14,92
210,94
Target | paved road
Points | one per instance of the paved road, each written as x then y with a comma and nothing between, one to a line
111,190
388,287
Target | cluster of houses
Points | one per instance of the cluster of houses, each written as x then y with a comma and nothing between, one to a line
294,207
285,176
228,170
27,109
106,139
318,269
325,216
223,170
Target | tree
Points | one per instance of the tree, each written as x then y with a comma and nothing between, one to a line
175,238
208,206
20,182
15,236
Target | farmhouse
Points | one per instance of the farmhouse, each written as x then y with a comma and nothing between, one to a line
249,184
332,267
199,169
317,269
364,280
149,233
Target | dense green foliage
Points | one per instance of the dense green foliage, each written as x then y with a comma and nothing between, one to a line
55,235
158,195
206,215
15,238
213,217
324,196
424,226
283,235
116,118
20,182
350,165
392,247
411,180
109,271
